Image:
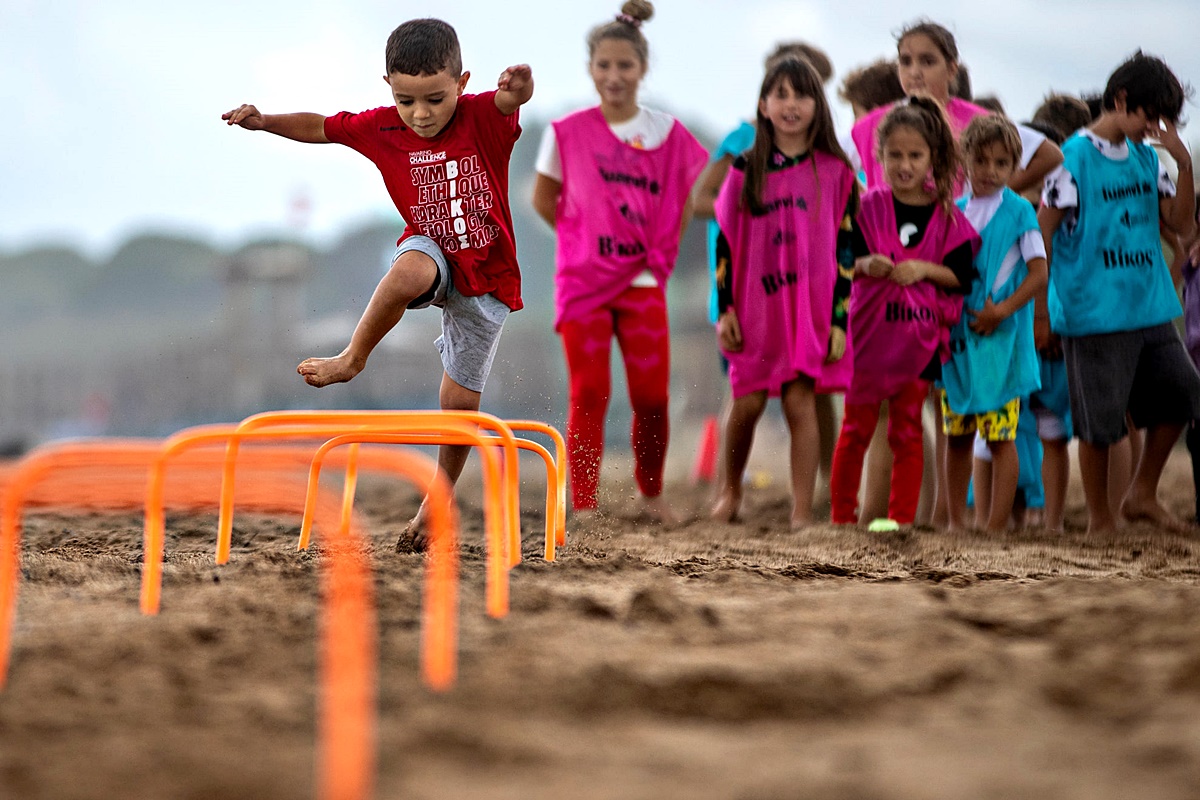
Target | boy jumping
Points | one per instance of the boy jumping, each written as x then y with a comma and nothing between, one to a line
444,159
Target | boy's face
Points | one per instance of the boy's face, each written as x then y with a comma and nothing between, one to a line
426,103
990,168
1135,123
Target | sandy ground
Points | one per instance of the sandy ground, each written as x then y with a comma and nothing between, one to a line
702,661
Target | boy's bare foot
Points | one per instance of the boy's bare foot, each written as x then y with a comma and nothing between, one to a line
727,508
657,510
324,371
1151,511
412,538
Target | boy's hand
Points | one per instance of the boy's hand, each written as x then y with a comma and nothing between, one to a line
906,273
837,345
247,116
514,88
1167,135
875,265
729,332
1048,343
515,78
985,320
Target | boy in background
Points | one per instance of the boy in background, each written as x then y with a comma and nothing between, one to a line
1111,295
993,362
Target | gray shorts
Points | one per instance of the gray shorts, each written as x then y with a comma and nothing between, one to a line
1145,372
471,326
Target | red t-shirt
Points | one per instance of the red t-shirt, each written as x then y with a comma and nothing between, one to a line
452,187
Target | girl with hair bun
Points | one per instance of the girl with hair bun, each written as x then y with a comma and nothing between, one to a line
614,181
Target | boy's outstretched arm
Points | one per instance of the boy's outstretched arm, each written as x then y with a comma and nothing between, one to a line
514,88
302,127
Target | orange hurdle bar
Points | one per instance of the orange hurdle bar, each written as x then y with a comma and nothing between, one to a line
346,750
552,475
497,577
328,421
76,454
346,745
560,457
497,572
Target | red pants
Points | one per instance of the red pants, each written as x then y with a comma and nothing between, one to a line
905,437
638,318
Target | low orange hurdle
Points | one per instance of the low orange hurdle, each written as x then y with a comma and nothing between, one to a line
346,719
336,422
346,755
497,574
554,510
560,458
119,454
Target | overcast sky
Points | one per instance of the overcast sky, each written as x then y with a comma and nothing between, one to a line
114,106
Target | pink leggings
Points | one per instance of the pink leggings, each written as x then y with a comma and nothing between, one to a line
638,318
905,437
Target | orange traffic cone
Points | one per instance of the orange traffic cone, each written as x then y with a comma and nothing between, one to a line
704,469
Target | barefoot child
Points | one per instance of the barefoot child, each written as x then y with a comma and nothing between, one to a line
444,160
704,195
615,181
912,245
993,361
1111,295
781,212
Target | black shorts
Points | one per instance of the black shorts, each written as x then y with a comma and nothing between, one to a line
1145,372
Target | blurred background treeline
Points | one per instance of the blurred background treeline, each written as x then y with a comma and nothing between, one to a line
171,330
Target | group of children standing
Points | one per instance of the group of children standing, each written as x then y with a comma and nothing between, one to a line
897,267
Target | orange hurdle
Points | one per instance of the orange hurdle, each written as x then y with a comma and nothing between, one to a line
497,577
346,740
337,422
560,457
553,479
497,573
87,454
346,751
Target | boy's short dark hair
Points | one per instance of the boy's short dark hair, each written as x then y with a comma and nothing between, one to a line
1065,112
1149,84
424,47
872,86
989,129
